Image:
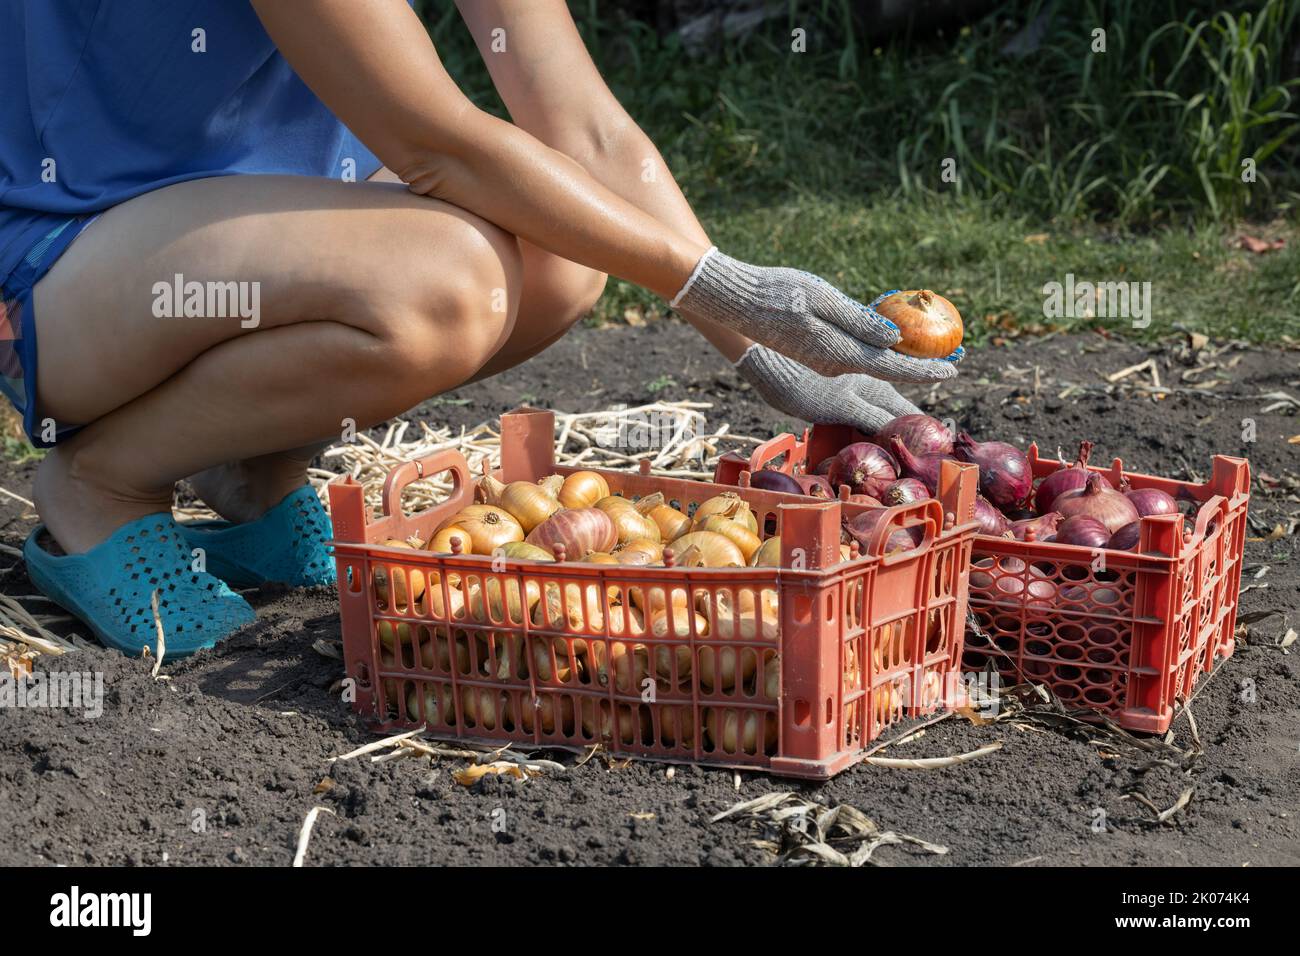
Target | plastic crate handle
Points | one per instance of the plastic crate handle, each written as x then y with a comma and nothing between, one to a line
931,514
794,450
462,486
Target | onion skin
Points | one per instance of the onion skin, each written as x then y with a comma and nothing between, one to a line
580,530
1043,527
1064,479
924,468
861,528
930,325
865,467
1083,531
904,491
1126,538
991,521
1151,501
771,480
1096,500
815,486
921,434
1005,477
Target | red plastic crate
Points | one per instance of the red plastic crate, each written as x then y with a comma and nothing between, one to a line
1128,640
854,646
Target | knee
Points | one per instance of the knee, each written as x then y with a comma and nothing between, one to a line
457,308
557,294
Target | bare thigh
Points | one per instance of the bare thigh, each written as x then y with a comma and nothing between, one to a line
363,254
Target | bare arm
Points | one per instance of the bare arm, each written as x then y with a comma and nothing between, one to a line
554,91
372,64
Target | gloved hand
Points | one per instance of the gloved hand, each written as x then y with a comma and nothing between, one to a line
857,400
803,317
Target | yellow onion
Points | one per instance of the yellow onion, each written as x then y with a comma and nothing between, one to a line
628,661
489,530
717,666
530,504
543,712
479,708
399,579
768,554
552,484
715,550
734,732
930,325
640,551
741,619
578,609
583,489
678,625
529,552
540,657
440,543
478,510
672,523
728,505
509,610
438,705
599,557
738,533
629,524
676,725
580,530
771,675
598,721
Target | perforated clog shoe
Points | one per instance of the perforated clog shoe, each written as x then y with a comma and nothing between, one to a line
286,545
110,588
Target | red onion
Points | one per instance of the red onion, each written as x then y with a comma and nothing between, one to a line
1126,538
771,480
864,467
1149,501
1043,527
1005,477
860,528
866,500
1005,577
1082,530
924,469
992,522
1065,478
904,491
1019,514
815,485
824,468
921,434
1097,499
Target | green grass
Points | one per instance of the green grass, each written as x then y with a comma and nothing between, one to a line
983,261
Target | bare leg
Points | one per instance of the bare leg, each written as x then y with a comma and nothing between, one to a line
372,299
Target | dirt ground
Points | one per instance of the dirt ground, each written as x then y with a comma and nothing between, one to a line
220,763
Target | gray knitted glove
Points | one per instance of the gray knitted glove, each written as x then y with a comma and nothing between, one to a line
857,400
803,317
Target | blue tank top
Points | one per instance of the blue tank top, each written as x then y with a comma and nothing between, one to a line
102,100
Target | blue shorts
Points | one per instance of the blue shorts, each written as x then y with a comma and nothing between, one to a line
18,326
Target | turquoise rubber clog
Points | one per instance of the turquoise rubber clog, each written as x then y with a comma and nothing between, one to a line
110,589
286,545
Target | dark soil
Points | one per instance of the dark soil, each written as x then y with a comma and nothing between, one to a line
220,762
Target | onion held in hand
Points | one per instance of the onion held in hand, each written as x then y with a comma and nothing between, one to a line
929,323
